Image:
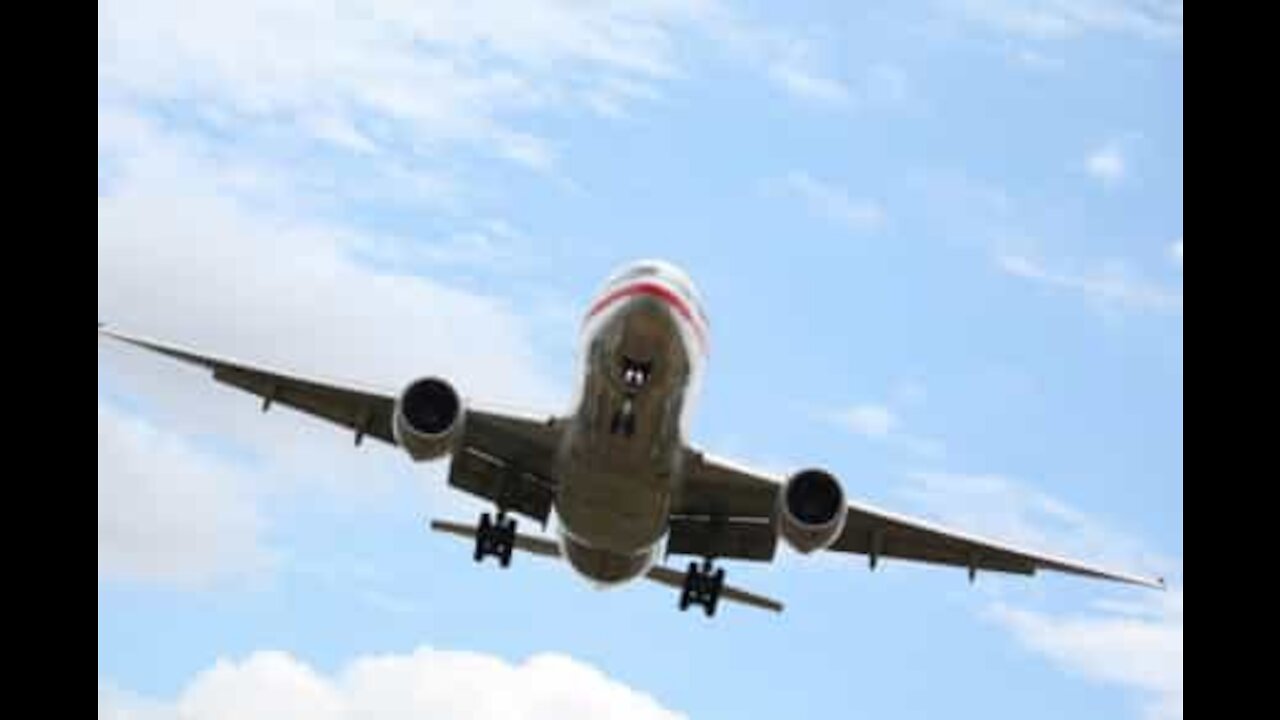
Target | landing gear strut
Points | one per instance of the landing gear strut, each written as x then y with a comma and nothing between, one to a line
624,420
702,586
496,539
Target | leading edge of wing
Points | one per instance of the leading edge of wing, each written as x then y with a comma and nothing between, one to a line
1041,560
214,362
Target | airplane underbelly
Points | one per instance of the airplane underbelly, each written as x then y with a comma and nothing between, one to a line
618,513
606,567
616,471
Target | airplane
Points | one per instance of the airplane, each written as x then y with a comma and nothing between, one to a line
626,487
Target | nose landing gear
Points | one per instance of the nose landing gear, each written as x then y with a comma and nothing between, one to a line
636,374
624,420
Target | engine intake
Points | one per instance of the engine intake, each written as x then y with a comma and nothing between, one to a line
429,416
812,512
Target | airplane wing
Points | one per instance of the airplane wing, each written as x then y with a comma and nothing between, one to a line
719,493
502,456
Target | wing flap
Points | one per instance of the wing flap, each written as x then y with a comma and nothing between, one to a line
735,538
368,415
494,479
716,488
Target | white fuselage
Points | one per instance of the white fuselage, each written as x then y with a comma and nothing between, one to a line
620,463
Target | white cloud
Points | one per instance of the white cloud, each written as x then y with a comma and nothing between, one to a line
117,704
882,424
393,71
1175,253
1159,20
1134,643
806,84
611,96
184,253
399,81
1038,61
1136,647
1107,164
832,202
791,65
426,683
874,421
1110,288
1005,509
167,510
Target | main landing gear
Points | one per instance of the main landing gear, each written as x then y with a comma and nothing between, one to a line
496,538
702,586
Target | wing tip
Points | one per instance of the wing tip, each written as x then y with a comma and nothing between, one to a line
1155,583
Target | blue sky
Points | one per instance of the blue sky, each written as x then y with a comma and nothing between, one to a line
941,248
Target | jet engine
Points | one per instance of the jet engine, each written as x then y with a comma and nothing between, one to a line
811,511
428,419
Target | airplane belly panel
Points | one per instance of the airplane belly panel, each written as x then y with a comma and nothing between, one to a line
605,567
620,513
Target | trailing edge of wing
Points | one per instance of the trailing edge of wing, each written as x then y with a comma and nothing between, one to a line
982,549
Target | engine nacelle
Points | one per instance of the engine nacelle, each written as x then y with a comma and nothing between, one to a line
428,419
812,511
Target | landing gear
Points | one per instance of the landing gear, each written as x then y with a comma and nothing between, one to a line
624,421
495,538
635,374
702,586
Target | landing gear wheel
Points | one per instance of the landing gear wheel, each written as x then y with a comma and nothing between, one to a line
702,586
496,539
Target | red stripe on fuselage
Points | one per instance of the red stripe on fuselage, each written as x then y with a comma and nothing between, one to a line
654,290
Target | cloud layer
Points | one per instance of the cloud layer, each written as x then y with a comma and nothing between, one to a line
183,254
1110,288
168,510
831,202
1138,646
425,684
